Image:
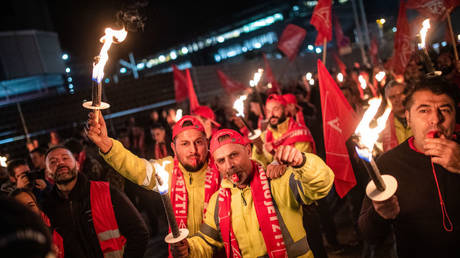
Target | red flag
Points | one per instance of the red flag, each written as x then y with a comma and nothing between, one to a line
342,41
340,64
434,9
230,86
183,87
291,39
374,51
321,19
180,84
191,92
402,43
339,123
270,77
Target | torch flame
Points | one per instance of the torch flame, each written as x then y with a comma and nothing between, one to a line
340,77
423,32
238,105
368,136
178,115
256,78
380,75
111,36
3,161
362,82
164,175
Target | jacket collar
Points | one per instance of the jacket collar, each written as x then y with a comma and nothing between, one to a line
281,128
80,189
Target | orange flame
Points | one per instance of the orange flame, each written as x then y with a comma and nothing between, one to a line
367,135
238,105
111,36
423,32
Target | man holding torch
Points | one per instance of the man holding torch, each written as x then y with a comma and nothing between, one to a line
281,130
250,216
192,176
425,210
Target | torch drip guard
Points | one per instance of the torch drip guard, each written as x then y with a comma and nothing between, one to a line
255,135
391,186
170,239
89,105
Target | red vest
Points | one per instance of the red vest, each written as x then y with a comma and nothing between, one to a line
58,242
111,241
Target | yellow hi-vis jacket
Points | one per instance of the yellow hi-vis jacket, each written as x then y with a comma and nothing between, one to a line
265,157
142,172
297,186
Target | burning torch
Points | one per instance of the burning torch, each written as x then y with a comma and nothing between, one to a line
111,36
254,83
177,234
423,32
381,187
238,105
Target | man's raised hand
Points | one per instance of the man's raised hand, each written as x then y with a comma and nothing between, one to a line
96,130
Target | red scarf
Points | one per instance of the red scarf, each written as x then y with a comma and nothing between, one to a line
160,150
295,133
179,196
299,117
266,216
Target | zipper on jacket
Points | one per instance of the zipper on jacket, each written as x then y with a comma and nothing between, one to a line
190,180
242,197
71,213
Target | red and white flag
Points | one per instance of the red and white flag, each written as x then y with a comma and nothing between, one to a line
180,84
339,122
291,39
230,86
402,43
321,19
191,92
270,77
183,87
433,9
342,41
374,52
340,64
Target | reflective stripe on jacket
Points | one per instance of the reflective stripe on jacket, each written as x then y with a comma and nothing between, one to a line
105,223
296,187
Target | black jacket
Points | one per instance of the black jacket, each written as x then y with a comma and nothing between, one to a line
72,219
419,226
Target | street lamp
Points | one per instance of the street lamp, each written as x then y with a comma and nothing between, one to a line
380,23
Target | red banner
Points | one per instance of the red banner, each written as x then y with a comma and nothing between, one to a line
183,87
270,77
180,85
291,39
191,92
374,52
339,123
342,41
402,43
230,86
321,19
434,9
340,64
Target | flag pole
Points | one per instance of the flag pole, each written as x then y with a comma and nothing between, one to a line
324,50
451,31
23,122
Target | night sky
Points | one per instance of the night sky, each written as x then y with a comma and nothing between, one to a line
81,23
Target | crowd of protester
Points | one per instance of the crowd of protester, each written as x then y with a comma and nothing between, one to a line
139,213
